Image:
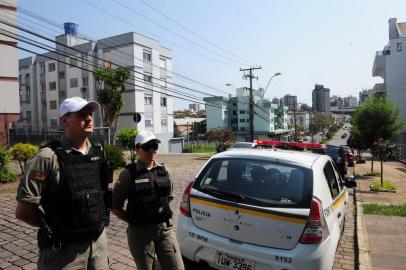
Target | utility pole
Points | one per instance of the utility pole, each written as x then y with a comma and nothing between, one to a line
251,101
294,116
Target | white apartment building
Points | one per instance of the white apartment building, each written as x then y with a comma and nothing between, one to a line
390,65
270,120
49,78
9,106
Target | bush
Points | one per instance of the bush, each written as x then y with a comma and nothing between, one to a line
115,155
360,160
201,148
4,157
376,186
22,152
127,139
7,175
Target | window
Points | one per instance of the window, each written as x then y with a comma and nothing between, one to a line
73,62
43,88
51,67
73,82
331,179
61,74
52,104
27,78
54,122
242,120
44,106
28,116
28,94
148,122
146,55
52,86
234,112
242,112
164,121
85,82
85,59
147,78
147,100
162,62
399,47
42,68
107,64
163,101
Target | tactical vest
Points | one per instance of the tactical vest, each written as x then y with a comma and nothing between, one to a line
75,207
148,200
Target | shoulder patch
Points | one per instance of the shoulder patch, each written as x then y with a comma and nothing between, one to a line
38,175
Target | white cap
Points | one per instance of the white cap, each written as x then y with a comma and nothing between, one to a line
144,137
75,104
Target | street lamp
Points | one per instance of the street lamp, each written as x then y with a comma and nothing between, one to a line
270,79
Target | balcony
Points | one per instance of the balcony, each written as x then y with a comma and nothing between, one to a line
379,65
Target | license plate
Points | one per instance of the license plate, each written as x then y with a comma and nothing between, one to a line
233,262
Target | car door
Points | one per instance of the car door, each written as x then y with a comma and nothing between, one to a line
338,194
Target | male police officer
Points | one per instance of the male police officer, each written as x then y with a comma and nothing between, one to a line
62,192
148,188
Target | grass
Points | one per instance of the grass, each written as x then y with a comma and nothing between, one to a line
201,148
385,210
386,186
373,174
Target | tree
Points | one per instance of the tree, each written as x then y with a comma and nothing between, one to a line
176,131
22,152
110,84
127,139
221,136
376,121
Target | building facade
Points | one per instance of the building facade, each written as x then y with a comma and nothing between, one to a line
49,78
321,98
9,106
270,120
290,102
390,64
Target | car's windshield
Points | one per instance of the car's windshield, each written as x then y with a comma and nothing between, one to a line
257,182
243,145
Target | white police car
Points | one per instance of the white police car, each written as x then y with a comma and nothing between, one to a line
254,209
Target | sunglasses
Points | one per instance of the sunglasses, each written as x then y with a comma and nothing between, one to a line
149,146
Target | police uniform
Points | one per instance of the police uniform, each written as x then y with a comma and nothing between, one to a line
150,230
71,199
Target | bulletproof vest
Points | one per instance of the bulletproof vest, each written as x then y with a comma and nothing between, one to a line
148,196
74,207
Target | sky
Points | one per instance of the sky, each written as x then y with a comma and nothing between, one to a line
325,42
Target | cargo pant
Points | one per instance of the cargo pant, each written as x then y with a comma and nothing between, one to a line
146,241
90,255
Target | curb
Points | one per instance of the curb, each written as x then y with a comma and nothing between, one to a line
364,251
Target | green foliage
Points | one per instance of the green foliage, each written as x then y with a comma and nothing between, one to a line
22,152
384,186
115,155
4,157
201,148
360,160
385,210
127,139
110,86
376,119
7,175
176,131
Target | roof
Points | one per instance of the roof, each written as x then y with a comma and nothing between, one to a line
303,159
187,121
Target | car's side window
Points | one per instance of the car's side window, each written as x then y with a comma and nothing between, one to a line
338,175
331,178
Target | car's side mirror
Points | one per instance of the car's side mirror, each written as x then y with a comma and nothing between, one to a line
349,182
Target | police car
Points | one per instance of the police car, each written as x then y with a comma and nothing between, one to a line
254,209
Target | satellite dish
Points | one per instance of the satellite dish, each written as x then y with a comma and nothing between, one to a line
137,117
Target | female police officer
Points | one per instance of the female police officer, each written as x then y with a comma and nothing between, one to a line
147,186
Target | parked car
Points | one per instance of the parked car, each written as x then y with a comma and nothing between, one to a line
349,153
306,138
333,151
264,209
244,145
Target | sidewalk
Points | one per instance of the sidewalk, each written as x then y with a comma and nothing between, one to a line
383,239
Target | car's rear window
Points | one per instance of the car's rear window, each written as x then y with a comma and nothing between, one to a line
257,182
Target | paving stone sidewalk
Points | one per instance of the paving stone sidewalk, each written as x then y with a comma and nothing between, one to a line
18,245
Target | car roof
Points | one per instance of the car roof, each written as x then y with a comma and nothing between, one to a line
298,158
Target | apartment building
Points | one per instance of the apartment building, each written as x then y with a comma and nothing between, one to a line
290,101
270,120
9,106
321,98
390,65
49,78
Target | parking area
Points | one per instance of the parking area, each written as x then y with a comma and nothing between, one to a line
18,247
